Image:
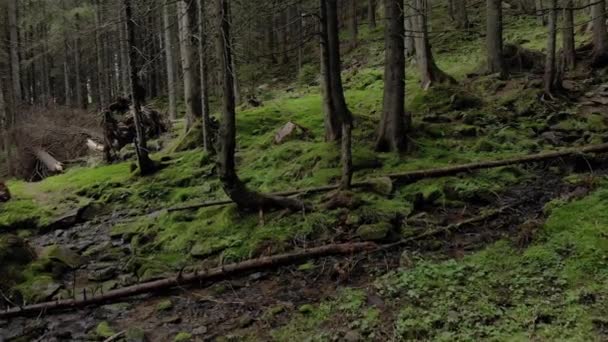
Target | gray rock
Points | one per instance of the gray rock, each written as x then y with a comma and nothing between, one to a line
374,232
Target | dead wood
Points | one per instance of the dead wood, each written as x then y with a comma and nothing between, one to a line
213,274
48,160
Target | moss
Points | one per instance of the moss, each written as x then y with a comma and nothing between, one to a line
182,337
164,305
374,232
104,330
62,255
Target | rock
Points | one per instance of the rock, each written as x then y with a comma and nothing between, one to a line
104,330
382,186
62,255
42,288
202,330
164,305
244,321
182,337
135,335
374,232
551,137
257,276
352,336
290,130
342,199
172,320
103,274
5,194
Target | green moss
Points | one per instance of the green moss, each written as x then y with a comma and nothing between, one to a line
104,330
182,337
164,305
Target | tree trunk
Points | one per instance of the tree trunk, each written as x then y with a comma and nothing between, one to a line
124,58
192,97
233,186
410,43
461,15
99,57
569,53
171,81
371,13
395,122
494,42
80,100
352,23
600,35
146,165
337,91
551,83
14,51
540,12
333,132
48,160
204,72
4,127
429,71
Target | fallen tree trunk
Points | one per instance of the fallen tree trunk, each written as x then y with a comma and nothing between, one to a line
48,160
95,146
414,176
215,274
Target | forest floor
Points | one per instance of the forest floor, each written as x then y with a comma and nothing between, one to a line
536,270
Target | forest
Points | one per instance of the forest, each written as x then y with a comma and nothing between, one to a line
303,170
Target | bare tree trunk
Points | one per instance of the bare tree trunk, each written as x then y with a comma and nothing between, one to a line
14,51
99,57
124,57
461,15
146,165
171,81
540,12
429,71
569,53
395,122
550,81
600,35
494,41
333,132
80,100
204,72
410,44
337,91
352,23
371,13
48,160
233,186
192,97
4,128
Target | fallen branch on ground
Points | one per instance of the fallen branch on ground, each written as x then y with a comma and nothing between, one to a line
48,160
215,274
414,176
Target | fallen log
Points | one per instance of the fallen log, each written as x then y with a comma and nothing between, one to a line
214,274
48,160
414,176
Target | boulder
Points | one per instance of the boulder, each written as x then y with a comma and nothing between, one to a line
374,232
290,130
5,195
63,256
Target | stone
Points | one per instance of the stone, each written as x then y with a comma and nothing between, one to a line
135,335
172,320
202,330
290,130
103,274
62,255
104,330
5,194
374,232
164,305
352,336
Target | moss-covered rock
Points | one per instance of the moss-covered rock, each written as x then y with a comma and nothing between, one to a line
104,330
183,337
62,255
164,305
15,253
374,232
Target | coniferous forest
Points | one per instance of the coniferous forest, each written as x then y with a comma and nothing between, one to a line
303,170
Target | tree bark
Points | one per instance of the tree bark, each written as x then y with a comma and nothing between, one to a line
101,87
333,130
551,83
569,52
429,71
494,40
395,123
236,190
124,57
352,23
171,79
14,51
204,72
540,14
146,165
80,99
192,96
371,13
460,14
48,160
600,35
410,43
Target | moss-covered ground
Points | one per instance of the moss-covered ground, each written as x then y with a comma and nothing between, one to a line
553,289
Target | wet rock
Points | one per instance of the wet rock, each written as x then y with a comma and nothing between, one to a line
257,276
62,255
104,330
374,232
42,289
103,274
135,335
244,321
352,336
290,131
202,330
164,305
551,137
172,320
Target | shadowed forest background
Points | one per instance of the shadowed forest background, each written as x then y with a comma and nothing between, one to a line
324,170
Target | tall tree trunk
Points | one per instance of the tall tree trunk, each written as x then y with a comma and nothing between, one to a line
14,51
337,91
569,53
429,71
371,13
551,81
124,57
192,96
146,165
233,186
395,123
80,100
352,23
204,72
410,44
101,87
494,41
540,12
4,127
66,75
461,15
600,35
333,131
171,82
